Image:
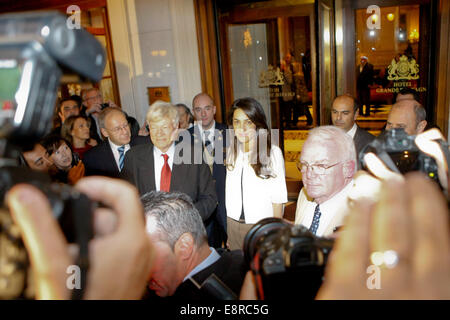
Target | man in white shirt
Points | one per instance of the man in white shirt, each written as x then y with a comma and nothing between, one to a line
107,158
344,112
161,165
183,260
327,164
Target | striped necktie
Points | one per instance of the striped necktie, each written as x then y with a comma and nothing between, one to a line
121,156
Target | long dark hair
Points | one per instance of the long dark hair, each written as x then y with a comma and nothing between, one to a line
260,161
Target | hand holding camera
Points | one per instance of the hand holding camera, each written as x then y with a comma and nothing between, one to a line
49,252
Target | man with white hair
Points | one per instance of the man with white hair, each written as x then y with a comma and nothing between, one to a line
327,164
160,166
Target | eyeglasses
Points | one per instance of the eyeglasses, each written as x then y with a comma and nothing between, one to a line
119,128
94,97
315,168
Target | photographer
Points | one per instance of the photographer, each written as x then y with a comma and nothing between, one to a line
409,115
415,233
120,249
92,106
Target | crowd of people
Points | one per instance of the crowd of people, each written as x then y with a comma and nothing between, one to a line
181,195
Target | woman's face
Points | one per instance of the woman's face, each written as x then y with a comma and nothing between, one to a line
244,128
62,157
80,129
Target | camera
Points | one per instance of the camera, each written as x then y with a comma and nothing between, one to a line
104,105
36,48
399,152
287,260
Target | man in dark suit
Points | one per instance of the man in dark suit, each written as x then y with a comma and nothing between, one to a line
211,137
106,159
182,258
344,111
168,167
364,80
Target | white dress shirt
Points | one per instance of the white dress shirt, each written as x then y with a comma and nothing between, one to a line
159,163
352,131
333,210
259,194
115,152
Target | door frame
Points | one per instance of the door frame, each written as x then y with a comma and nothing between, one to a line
254,15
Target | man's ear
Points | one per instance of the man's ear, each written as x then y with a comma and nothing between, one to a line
61,116
421,126
184,246
356,114
349,168
104,132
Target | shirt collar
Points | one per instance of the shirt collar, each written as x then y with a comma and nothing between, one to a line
115,146
332,203
210,259
352,131
200,128
170,152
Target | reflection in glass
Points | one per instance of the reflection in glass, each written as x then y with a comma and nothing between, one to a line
389,59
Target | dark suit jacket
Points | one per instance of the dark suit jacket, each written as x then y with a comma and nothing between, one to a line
195,180
219,171
361,139
230,269
365,77
99,161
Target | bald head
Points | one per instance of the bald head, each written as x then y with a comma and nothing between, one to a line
344,111
409,115
204,110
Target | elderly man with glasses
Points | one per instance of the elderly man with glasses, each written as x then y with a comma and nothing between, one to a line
327,164
107,158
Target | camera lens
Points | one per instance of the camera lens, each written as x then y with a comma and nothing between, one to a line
258,233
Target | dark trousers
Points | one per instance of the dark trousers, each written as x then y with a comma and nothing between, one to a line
217,236
364,99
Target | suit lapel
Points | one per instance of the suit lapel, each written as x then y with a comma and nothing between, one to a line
177,170
110,156
146,168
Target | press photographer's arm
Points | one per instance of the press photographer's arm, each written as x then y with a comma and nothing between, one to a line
123,253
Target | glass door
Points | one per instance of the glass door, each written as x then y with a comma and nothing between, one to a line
268,53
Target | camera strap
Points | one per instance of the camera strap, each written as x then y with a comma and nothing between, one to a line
82,218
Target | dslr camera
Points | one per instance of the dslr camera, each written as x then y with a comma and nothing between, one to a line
287,260
400,153
36,49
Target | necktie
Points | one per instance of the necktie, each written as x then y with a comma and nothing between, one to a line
208,144
121,156
165,175
315,222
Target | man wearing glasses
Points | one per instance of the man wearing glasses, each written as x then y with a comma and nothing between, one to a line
107,158
327,164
